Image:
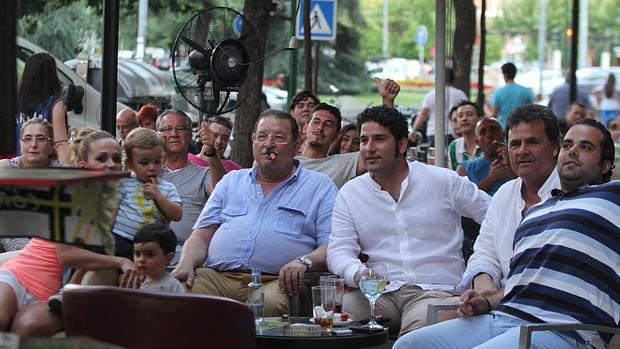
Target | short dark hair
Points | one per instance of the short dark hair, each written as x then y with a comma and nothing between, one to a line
330,109
281,115
303,95
509,70
608,149
387,117
160,233
224,121
466,102
533,112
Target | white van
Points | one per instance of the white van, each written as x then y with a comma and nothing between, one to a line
91,114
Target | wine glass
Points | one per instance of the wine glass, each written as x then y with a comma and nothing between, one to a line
372,284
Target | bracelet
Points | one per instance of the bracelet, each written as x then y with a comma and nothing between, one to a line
488,303
213,153
66,141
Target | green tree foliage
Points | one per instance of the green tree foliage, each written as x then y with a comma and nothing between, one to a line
404,18
63,31
521,17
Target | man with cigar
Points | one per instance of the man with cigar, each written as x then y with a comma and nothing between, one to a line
275,216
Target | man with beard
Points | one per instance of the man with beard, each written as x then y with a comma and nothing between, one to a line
324,129
275,216
404,215
564,269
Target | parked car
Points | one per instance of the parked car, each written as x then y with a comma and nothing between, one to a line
90,116
593,78
276,98
139,83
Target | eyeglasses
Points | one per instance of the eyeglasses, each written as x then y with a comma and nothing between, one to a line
277,138
36,139
177,129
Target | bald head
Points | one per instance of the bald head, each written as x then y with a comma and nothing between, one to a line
126,120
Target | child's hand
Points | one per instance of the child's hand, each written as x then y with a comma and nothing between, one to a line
150,189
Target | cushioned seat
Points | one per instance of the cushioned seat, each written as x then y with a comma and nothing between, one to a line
140,319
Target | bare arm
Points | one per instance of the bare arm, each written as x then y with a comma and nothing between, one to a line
194,253
4,163
494,111
419,121
292,274
388,89
215,163
61,138
79,258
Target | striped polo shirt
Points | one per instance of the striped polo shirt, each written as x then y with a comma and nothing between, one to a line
566,262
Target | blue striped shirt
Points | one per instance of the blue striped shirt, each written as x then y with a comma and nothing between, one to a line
566,262
136,210
268,232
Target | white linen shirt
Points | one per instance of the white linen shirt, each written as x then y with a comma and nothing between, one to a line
418,238
493,247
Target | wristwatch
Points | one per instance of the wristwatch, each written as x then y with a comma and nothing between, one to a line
306,261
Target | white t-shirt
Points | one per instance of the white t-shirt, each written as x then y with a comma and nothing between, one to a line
454,96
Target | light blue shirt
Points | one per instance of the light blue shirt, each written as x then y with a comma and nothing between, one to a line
268,232
507,98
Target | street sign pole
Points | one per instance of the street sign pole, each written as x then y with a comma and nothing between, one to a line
421,36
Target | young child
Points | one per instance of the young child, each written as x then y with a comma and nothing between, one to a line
153,249
144,197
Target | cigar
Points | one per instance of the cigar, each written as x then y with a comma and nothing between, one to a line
272,156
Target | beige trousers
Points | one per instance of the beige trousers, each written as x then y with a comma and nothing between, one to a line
235,285
406,307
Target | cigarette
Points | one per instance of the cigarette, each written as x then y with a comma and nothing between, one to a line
272,156
460,303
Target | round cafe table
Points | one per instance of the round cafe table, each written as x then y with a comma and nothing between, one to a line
276,335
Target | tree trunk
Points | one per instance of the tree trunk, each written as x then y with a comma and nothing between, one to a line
317,52
465,11
482,55
307,48
257,13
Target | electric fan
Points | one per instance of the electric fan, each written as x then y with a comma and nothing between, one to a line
211,59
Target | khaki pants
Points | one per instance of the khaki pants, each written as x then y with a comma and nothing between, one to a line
406,307
235,285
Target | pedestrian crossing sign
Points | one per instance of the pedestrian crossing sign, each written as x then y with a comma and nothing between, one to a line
322,19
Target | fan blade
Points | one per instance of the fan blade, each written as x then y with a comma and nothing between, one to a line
196,46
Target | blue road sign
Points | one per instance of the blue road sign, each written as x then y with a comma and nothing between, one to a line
421,36
323,20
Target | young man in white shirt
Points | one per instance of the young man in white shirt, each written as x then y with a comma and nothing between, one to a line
404,215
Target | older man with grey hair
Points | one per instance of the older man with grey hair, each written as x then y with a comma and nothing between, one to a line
194,183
